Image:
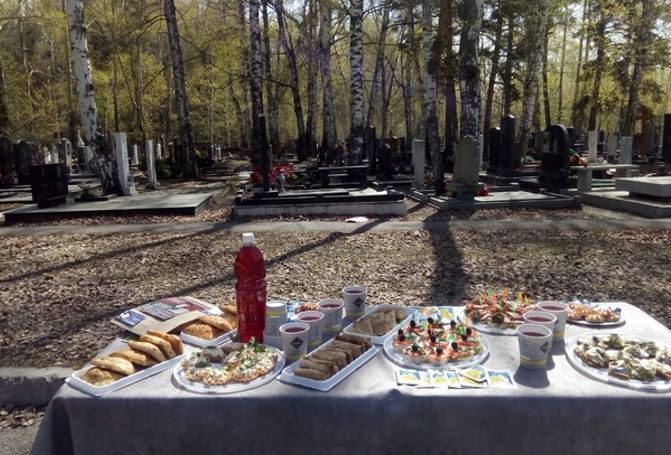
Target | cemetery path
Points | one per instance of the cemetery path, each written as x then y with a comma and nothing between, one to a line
340,226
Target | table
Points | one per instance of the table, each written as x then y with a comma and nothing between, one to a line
554,411
585,173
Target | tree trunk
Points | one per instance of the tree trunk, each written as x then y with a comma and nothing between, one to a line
641,46
271,101
560,89
537,27
4,115
576,89
356,82
430,98
471,13
311,124
239,113
508,71
546,88
489,100
377,85
189,165
447,57
256,90
93,136
245,79
407,72
137,79
295,86
328,115
600,38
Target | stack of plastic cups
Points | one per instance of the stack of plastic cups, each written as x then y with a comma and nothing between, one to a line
276,315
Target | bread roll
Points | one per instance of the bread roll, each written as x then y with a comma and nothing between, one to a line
311,374
163,345
148,348
135,357
174,340
115,364
202,330
99,377
217,321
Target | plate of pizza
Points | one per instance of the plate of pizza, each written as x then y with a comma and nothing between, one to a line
229,368
426,343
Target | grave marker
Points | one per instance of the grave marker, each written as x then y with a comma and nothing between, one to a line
507,158
666,139
418,162
555,161
466,169
123,169
611,147
24,155
152,182
592,139
135,160
494,148
6,163
626,146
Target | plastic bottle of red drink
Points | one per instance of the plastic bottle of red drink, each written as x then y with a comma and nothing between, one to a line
250,290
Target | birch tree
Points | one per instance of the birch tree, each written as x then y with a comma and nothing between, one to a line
356,82
408,50
536,29
255,79
430,98
445,54
4,115
271,101
328,108
377,84
93,135
471,13
311,123
489,98
189,165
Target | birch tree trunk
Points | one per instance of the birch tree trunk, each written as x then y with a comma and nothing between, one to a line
328,114
446,54
576,89
189,165
489,99
245,67
271,101
356,82
600,38
407,72
471,13
430,98
377,84
546,89
93,136
508,70
256,90
294,82
562,64
311,123
641,46
536,30
4,115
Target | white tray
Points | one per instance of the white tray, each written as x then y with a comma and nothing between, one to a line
202,343
79,384
401,360
199,387
601,374
380,338
601,305
324,386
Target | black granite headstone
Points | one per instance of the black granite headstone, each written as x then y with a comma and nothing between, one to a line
494,148
6,163
555,165
666,139
49,184
24,156
571,137
385,164
507,160
370,146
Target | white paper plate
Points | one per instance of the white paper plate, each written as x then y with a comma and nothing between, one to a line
80,384
601,374
202,343
400,359
324,386
380,338
601,305
199,387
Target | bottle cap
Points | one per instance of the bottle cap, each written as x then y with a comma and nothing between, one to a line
248,238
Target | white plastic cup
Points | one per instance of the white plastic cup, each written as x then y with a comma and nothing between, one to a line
276,315
560,310
535,342
548,320
333,314
315,319
355,300
294,340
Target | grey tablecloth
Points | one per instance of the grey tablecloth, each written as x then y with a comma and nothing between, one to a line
558,411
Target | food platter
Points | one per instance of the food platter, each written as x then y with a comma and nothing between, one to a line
289,374
402,316
181,374
576,351
485,328
496,313
430,344
606,308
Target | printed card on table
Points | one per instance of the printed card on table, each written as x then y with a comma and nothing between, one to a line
408,377
500,379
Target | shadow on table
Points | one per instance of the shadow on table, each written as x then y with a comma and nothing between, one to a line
536,379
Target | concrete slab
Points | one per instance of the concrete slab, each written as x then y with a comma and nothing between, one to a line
649,186
621,200
176,204
353,208
30,386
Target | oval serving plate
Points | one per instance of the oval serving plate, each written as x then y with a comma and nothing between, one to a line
399,359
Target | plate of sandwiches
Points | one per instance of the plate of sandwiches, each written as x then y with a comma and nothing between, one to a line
380,322
211,329
327,366
231,367
143,357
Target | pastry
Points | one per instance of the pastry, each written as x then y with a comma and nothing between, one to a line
202,330
135,357
115,364
99,377
217,321
148,348
174,340
163,345
363,326
311,374
229,309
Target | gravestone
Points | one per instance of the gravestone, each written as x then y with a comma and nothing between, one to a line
418,162
370,146
159,151
385,163
555,164
152,181
626,147
49,184
666,139
24,155
494,148
127,184
571,137
481,151
66,152
135,159
466,169
611,147
507,156
405,156
592,139
46,156
6,163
